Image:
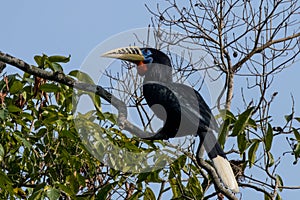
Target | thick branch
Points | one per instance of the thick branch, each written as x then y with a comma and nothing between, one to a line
212,172
201,163
69,81
2,66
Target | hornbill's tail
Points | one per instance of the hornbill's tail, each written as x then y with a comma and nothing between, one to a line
225,172
220,162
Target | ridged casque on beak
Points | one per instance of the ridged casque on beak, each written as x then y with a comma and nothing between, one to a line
132,54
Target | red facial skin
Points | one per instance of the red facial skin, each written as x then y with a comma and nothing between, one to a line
141,68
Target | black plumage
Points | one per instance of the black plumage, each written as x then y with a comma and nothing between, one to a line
180,107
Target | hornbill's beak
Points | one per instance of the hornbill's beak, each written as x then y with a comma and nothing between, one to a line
131,54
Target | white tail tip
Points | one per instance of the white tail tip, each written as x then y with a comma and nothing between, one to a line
225,172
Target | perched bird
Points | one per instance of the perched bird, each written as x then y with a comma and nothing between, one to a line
180,107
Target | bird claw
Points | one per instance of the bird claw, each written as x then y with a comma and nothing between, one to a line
121,121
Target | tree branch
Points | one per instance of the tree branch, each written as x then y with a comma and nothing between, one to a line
257,189
212,172
118,104
71,82
261,48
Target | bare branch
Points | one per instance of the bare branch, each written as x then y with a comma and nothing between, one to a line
261,48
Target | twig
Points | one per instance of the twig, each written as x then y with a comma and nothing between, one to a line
161,191
256,188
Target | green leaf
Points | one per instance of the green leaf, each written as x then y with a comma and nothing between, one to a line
252,152
269,138
81,76
26,143
242,143
68,134
40,60
53,193
111,117
19,192
252,124
56,67
130,145
242,122
51,61
2,152
226,114
195,187
148,177
5,182
16,87
47,87
73,182
58,58
176,187
97,102
271,159
296,151
81,179
154,177
266,197
26,116
224,131
102,194
37,195
149,194
297,118
66,189
177,165
297,134
279,182
278,197
13,108
142,177
289,117
3,113
39,187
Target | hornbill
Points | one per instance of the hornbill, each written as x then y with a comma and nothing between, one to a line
180,107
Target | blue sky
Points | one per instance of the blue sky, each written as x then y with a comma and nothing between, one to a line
65,27
76,27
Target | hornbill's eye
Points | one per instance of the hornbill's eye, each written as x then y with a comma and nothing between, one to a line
147,55
146,52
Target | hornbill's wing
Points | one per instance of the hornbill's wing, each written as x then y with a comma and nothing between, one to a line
182,109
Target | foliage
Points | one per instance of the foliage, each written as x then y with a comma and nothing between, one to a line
43,156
